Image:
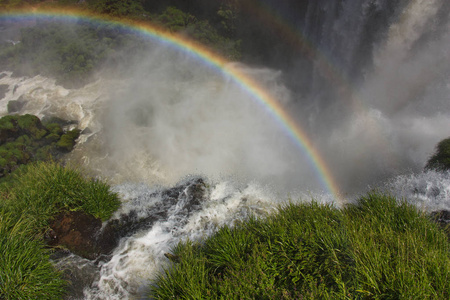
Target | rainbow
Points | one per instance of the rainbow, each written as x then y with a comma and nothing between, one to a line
269,13
208,57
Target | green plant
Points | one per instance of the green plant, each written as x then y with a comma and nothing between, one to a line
32,196
41,190
25,268
67,141
440,160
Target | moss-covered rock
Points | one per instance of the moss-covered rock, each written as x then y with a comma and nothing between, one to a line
440,160
24,138
67,141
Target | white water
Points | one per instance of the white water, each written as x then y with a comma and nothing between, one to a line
173,118
136,261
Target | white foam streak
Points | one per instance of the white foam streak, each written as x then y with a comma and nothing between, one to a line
429,190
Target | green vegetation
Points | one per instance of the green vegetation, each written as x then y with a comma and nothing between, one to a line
24,139
73,52
118,8
69,52
440,160
375,249
25,268
38,192
41,190
175,20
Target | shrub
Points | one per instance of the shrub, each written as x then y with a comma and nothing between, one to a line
67,141
7,122
440,160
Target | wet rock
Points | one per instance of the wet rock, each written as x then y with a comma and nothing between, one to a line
3,89
442,218
77,232
59,121
15,105
78,272
188,196
87,130
172,257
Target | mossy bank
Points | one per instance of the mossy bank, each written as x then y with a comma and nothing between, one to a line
25,139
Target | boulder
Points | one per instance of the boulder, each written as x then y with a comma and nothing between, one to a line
76,231
15,106
3,89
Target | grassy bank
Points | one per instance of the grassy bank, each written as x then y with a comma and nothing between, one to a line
36,193
375,249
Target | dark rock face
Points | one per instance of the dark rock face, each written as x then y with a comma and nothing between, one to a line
15,105
77,232
87,237
188,196
3,89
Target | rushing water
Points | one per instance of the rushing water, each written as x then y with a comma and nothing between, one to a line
173,122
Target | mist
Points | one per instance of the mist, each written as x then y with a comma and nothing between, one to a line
157,114
175,116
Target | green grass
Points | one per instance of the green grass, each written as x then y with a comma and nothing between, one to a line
378,248
41,190
34,194
25,268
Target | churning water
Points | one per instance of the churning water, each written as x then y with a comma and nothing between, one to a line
174,126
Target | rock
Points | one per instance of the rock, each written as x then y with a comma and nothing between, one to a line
172,257
440,160
3,89
442,218
62,122
77,232
15,106
78,272
190,194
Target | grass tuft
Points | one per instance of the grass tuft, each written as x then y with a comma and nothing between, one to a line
34,194
41,190
25,268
